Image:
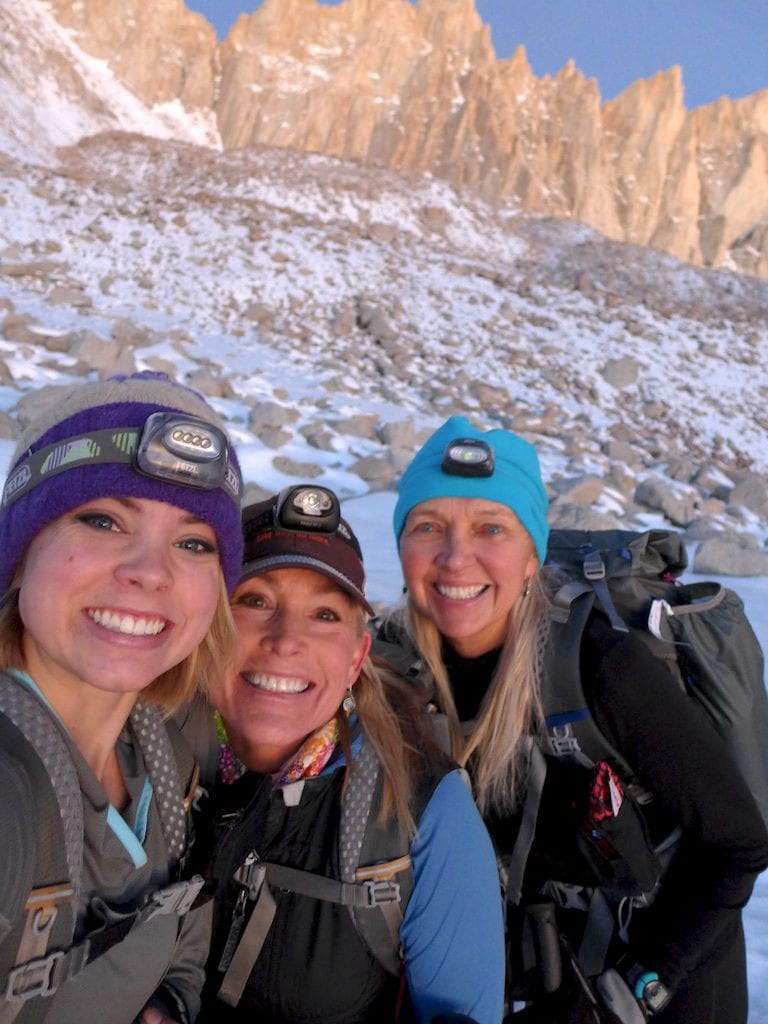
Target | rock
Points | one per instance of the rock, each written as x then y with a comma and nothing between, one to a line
377,472
379,82
723,557
586,491
9,428
123,363
274,437
318,435
752,493
67,295
95,350
210,384
130,335
399,434
567,516
620,373
677,502
299,470
259,313
271,414
363,425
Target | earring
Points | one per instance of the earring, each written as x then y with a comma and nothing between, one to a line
348,704
527,587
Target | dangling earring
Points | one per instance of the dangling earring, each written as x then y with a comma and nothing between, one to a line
527,587
348,705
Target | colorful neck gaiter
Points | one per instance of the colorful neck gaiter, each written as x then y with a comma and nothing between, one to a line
308,761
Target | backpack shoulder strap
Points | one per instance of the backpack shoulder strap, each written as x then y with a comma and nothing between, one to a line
161,758
377,857
375,885
31,735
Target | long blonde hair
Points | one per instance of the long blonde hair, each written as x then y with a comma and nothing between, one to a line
495,751
391,718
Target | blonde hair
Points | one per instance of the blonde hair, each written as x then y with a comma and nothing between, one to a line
393,721
495,751
169,691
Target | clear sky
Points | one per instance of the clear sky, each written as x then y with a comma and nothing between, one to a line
722,45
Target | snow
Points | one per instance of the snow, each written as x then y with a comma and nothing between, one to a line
179,241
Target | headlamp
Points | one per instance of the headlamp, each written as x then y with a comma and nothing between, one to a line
184,449
468,456
310,509
170,446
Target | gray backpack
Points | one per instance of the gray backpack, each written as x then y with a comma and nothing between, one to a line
37,948
699,630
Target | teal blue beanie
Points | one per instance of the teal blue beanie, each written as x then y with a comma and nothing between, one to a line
515,482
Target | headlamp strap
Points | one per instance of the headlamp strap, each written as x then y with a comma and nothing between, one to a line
106,447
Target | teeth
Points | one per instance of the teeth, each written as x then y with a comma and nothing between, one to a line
275,684
460,593
131,625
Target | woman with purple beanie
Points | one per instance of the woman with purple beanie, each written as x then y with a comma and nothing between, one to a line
119,540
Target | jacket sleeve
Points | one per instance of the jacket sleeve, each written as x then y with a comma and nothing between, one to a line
679,757
179,994
452,932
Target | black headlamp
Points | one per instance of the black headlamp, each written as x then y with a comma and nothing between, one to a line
169,446
468,456
309,509
183,449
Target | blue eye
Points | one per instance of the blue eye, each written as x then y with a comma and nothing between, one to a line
197,546
97,520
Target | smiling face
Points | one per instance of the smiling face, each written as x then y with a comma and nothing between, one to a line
113,594
302,643
465,563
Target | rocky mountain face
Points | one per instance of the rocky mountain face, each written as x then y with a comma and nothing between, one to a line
417,88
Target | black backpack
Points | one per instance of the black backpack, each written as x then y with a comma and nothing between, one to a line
700,631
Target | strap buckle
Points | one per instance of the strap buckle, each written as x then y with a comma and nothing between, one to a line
173,899
382,892
251,874
34,978
594,566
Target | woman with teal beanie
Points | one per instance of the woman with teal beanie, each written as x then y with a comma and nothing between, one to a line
471,528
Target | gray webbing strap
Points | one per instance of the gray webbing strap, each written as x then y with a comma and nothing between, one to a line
537,770
44,732
356,810
33,967
562,600
598,932
160,762
348,894
249,948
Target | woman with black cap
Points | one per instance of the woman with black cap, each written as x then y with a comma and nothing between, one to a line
329,808
119,535
471,528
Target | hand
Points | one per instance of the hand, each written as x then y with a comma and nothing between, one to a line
151,1015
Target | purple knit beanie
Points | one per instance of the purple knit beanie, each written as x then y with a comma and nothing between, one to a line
65,480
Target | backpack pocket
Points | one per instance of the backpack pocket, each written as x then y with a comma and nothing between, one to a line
614,838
